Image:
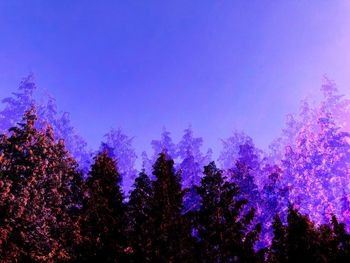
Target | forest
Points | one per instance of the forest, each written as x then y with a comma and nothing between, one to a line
63,202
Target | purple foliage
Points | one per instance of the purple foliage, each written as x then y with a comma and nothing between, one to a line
21,101
120,148
307,166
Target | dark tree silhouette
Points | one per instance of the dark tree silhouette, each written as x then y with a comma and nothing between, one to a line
140,228
222,230
278,249
172,237
102,213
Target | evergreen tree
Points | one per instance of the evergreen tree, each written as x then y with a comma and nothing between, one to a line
21,101
103,211
119,146
191,163
341,242
222,229
303,243
231,148
17,105
140,228
278,250
191,158
164,145
38,176
171,241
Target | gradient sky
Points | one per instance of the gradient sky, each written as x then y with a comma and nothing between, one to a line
141,65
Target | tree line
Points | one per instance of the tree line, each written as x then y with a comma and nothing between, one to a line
51,212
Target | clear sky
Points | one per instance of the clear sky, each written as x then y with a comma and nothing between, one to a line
141,65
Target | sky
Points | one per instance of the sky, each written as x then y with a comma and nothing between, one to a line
144,65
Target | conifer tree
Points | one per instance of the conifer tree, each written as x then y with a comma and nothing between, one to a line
140,228
103,211
17,105
303,244
37,175
191,163
278,248
222,229
164,145
46,110
119,146
341,242
172,235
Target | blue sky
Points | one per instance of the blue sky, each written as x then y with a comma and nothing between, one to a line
141,65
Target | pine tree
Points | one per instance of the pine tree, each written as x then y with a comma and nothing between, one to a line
140,228
222,229
102,212
172,235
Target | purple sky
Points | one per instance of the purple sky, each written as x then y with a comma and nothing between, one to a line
219,65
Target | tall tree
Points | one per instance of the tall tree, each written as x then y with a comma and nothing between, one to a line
316,169
172,235
120,147
222,229
140,229
164,145
38,175
17,105
231,148
191,163
302,239
103,211
278,249
24,99
192,160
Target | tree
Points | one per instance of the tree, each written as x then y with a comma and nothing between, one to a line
119,146
278,250
191,163
103,211
230,149
38,176
17,105
172,235
222,230
192,160
140,228
163,145
317,169
48,114
303,244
